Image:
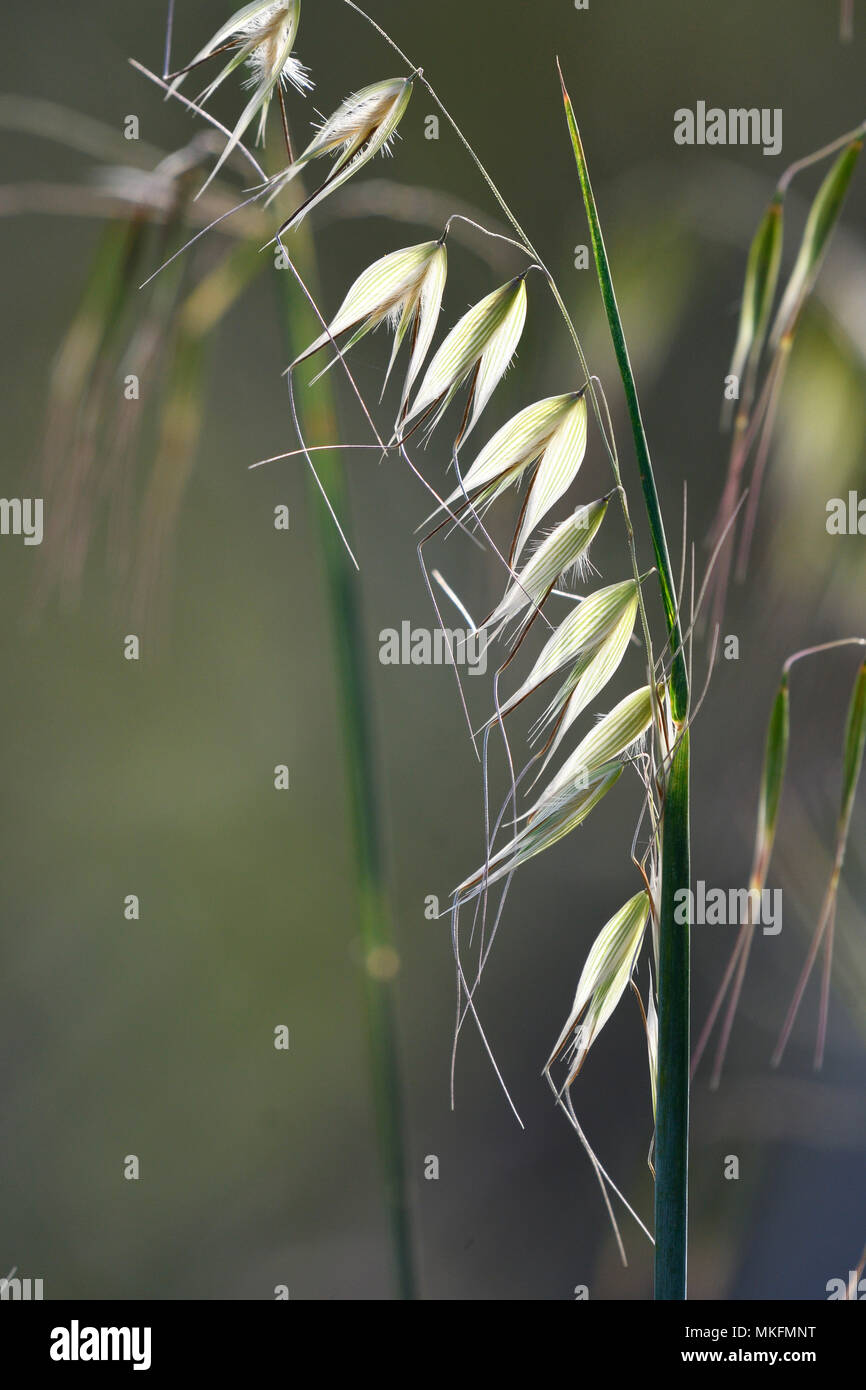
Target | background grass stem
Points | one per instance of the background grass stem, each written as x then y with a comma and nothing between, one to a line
318,416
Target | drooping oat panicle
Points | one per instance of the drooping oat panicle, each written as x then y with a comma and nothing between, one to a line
852,766
585,627
759,291
559,553
522,441
588,678
603,981
262,35
362,127
611,738
823,217
404,288
480,346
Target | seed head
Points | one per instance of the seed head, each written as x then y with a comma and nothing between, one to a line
611,738
557,469
584,628
521,442
603,981
405,289
273,30
263,37
563,550
823,216
588,678
481,345
362,127
759,290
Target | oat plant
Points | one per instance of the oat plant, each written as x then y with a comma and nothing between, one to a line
645,733
560,640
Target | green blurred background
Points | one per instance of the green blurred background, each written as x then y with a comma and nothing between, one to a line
259,1168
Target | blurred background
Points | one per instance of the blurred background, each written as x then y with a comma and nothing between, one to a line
155,1037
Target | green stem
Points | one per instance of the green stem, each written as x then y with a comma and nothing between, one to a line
672,1115
672,1112
319,422
680,679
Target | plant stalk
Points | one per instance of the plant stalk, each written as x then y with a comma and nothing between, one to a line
674,1045
672,1113
318,416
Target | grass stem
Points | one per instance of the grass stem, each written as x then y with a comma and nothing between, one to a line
672,1114
318,414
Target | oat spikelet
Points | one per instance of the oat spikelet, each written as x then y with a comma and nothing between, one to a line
404,289
261,36
362,127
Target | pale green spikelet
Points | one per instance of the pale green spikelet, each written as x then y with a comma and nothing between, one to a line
611,738
563,550
588,678
362,127
823,216
585,627
772,780
404,287
263,35
522,441
603,981
556,471
759,290
481,345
